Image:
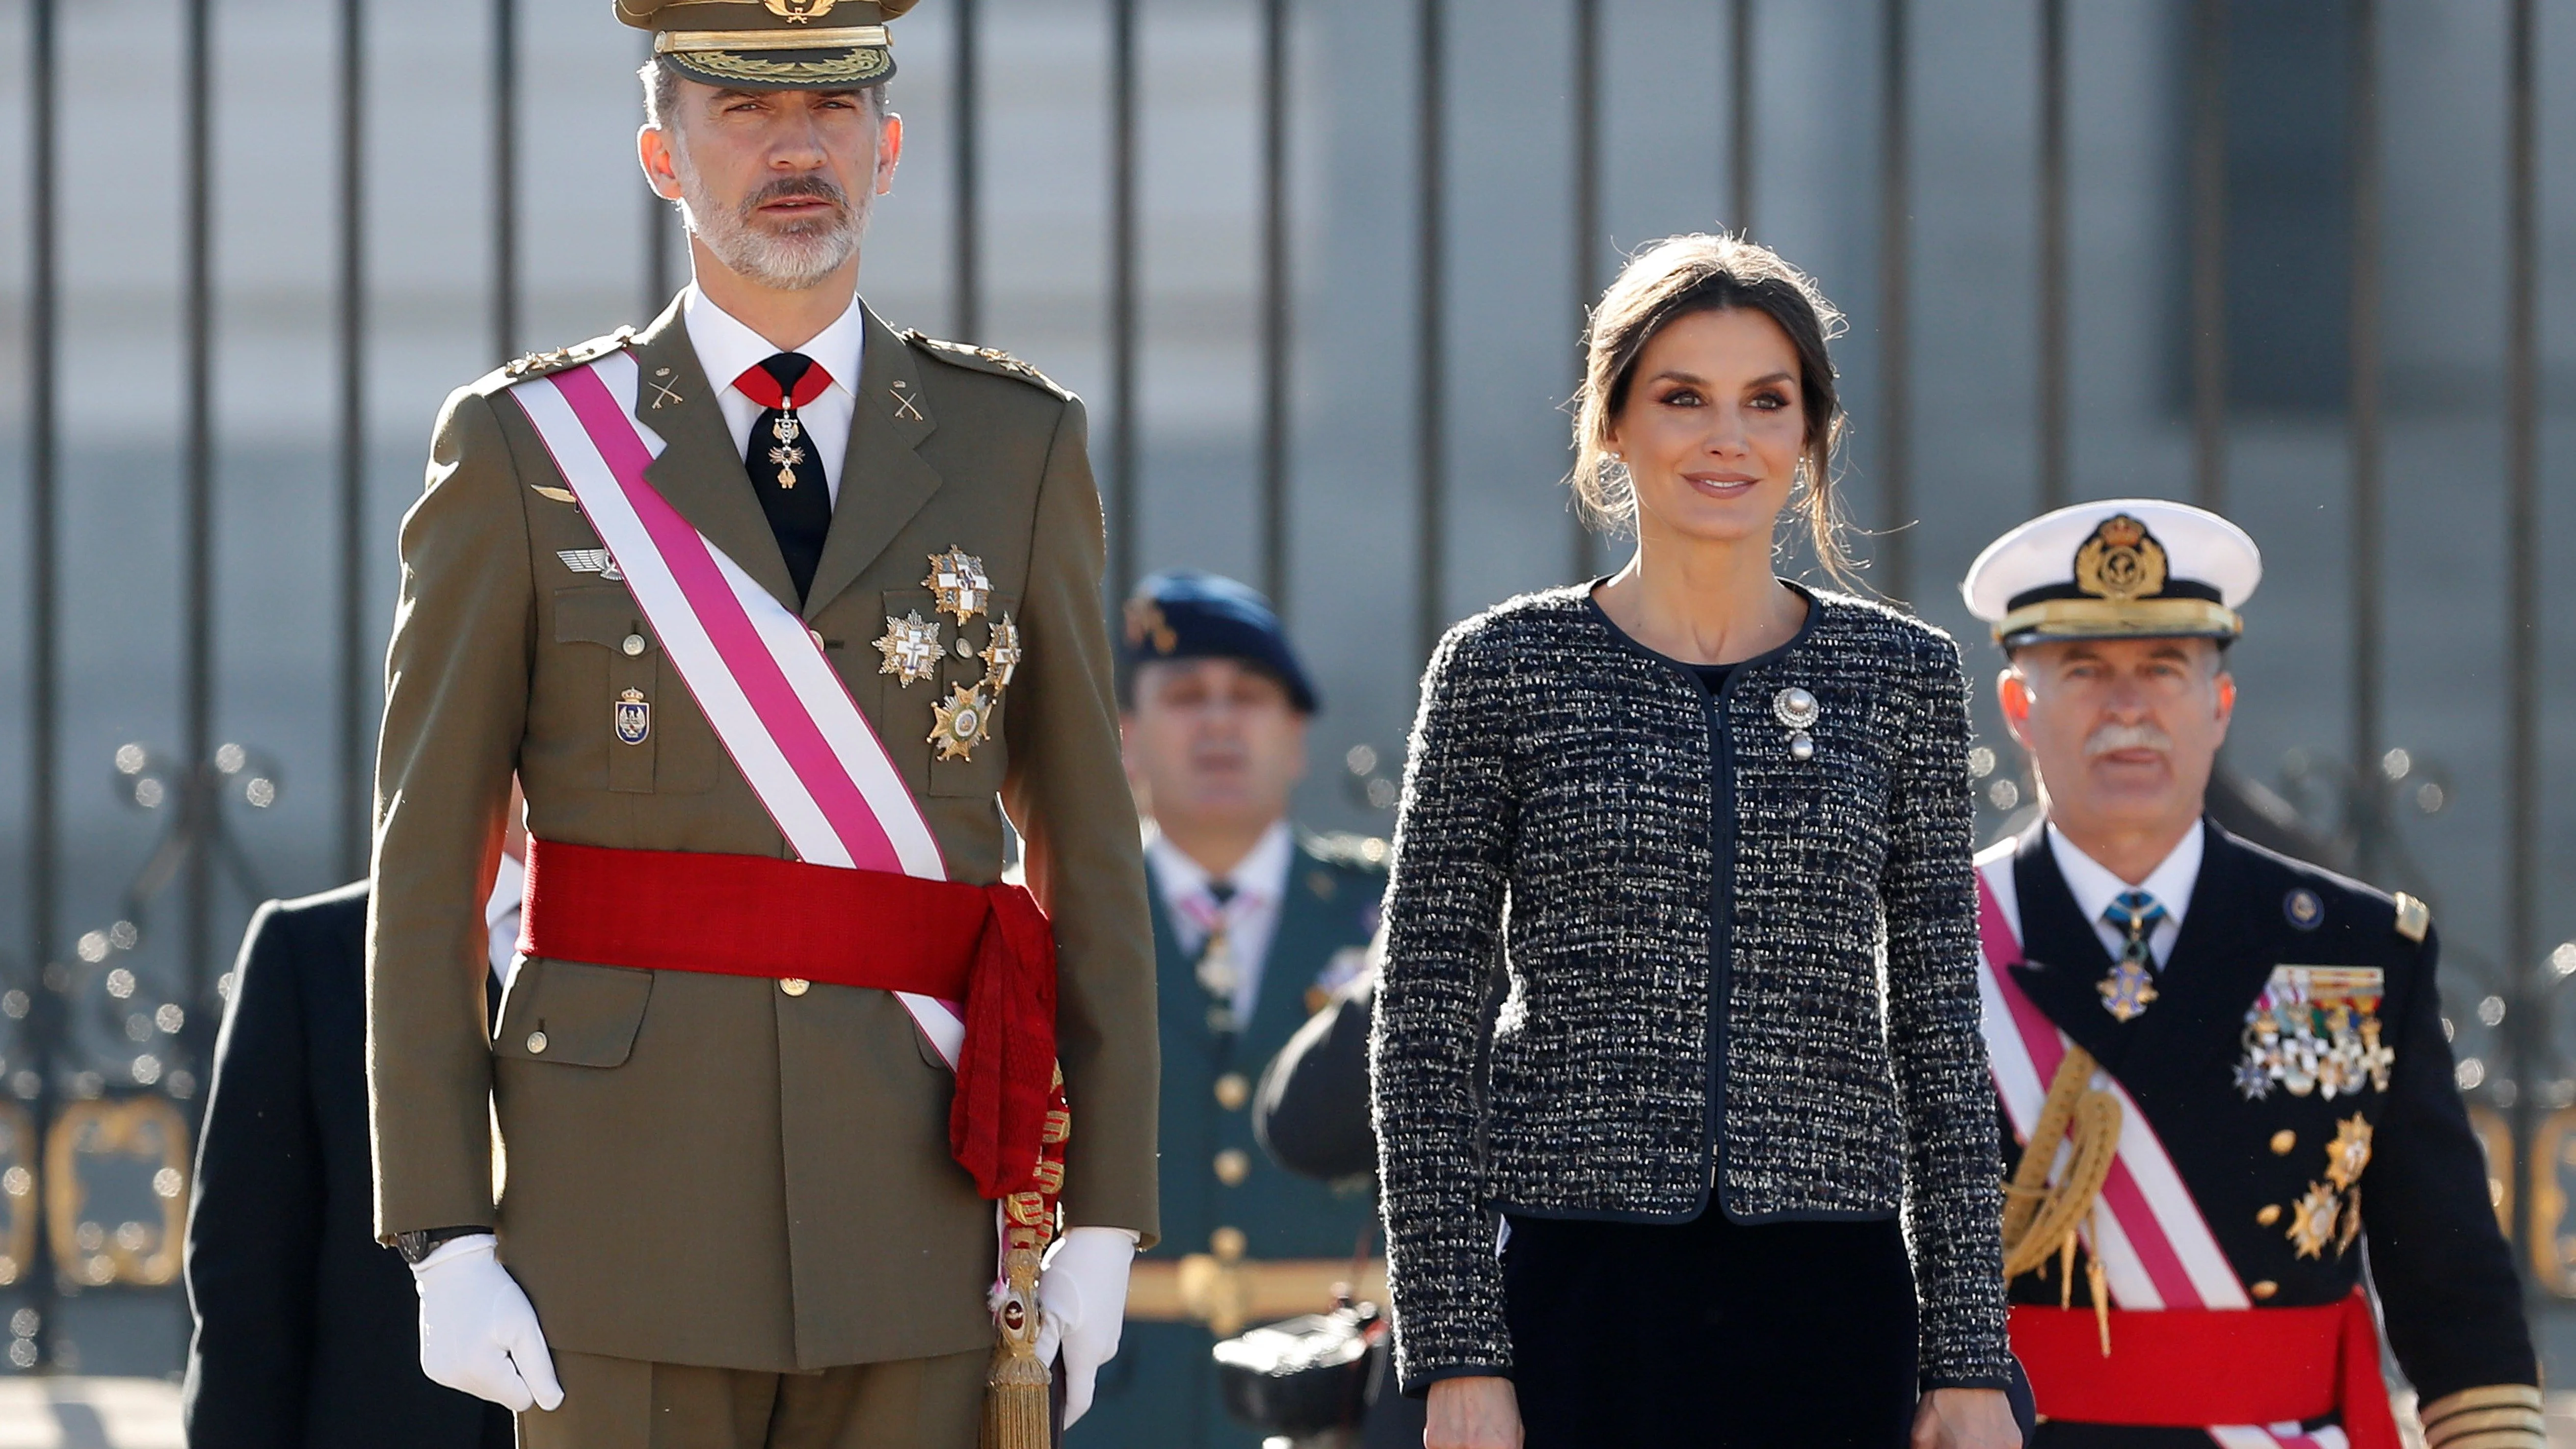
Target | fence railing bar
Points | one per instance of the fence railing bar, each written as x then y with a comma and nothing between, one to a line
1739,116
2208,209
197,481
505,180
2528,990
356,785
1123,411
43,1027
2363,431
1894,549
966,200
2056,487
1277,358
1587,242
1430,341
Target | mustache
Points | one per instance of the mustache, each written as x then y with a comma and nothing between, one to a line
817,188
2112,737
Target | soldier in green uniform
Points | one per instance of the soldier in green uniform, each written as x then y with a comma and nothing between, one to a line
1255,924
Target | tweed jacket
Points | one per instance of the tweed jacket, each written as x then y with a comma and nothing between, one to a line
1725,964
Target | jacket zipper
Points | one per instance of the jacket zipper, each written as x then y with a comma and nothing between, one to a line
1721,919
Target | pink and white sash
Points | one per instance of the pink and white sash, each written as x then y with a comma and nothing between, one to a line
2155,1248
762,679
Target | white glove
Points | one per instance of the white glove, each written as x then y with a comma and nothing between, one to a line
1082,1307
478,1333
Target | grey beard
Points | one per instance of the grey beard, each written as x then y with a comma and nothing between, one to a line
792,262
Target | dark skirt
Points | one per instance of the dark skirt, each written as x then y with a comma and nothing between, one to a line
1711,1333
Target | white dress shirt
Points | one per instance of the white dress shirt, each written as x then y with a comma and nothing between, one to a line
501,918
2095,887
1251,914
727,349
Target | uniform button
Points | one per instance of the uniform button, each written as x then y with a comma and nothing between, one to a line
964,649
1228,1244
794,985
633,646
817,636
2265,1289
1232,1091
1232,1167
2270,1214
2283,1141
536,1042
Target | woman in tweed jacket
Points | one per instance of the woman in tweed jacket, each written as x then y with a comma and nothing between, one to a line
1732,907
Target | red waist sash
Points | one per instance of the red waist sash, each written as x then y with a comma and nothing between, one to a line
2192,1368
987,947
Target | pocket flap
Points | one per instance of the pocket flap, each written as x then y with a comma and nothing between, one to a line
603,616
574,1014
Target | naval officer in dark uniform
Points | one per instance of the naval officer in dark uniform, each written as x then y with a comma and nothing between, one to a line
2234,1060
1256,924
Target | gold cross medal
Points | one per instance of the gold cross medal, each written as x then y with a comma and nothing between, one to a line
787,459
910,647
958,578
1002,654
964,719
2128,990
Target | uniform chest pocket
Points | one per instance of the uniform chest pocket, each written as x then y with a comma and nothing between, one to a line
653,738
943,689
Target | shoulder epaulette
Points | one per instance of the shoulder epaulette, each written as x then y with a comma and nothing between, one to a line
2414,918
1345,848
538,364
983,359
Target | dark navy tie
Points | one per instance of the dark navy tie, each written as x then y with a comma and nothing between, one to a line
786,469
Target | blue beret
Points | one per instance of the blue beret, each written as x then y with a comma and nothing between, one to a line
1185,614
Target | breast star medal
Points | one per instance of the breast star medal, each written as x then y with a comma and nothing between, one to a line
963,720
634,717
958,578
2312,1220
910,647
1002,654
1797,711
2348,1156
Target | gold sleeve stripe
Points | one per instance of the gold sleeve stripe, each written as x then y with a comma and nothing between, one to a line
2494,1416
2494,1439
2478,1421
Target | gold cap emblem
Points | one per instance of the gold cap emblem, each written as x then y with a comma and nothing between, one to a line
2120,561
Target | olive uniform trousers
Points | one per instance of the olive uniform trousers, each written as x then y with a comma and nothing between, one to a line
624,1403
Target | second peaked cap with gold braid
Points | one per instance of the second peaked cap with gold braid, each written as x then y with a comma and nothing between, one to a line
772,45
2124,568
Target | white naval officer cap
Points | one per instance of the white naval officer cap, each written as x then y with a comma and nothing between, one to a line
2122,568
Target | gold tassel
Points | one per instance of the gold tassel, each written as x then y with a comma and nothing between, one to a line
2066,1271
1015,1401
2094,1284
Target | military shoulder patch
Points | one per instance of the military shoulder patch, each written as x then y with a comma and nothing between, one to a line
1351,850
538,364
2414,918
983,359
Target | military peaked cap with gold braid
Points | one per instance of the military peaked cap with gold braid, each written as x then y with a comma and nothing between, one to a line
772,45
2125,568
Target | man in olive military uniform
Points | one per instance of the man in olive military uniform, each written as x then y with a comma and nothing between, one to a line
2223,1070
1255,924
776,612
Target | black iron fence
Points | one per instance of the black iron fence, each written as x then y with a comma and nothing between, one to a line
105,1059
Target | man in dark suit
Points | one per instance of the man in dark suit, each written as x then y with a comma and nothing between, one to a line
2244,1051
1255,924
307,1333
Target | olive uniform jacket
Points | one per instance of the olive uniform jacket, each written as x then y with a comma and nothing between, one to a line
704,1169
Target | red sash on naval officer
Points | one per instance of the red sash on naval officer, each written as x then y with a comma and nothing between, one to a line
868,902
2189,1349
